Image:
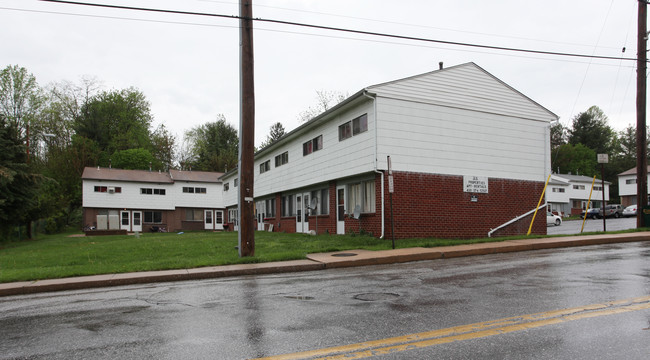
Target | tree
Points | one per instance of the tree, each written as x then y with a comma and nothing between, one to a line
558,135
276,132
133,159
575,159
590,129
214,146
20,100
325,100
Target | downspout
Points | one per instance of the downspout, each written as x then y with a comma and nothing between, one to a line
383,201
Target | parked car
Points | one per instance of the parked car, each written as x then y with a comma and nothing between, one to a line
629,211
552,219
614,210
591,213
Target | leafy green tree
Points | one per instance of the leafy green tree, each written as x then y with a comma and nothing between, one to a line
590,129
163,144
575,159
133,159
214,146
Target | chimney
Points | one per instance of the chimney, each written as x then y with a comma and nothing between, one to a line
440,64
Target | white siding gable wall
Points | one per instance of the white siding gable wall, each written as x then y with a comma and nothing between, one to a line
129,198
212,199
229,197
462,121
337,159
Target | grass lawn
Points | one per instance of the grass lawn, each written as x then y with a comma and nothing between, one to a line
60,255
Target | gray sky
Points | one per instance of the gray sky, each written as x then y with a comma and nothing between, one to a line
187,66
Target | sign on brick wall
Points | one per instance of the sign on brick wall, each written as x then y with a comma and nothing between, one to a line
475,184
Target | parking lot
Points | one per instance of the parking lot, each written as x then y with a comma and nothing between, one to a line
573,226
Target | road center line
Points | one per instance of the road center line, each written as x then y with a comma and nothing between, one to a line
467,332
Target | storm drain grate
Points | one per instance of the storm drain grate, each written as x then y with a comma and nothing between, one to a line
376,296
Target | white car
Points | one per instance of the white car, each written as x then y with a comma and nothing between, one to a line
552,219
629,211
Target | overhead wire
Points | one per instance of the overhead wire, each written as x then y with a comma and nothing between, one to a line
332,28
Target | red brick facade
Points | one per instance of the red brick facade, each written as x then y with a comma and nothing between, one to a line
428,205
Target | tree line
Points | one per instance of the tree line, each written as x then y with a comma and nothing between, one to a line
49,134
574,148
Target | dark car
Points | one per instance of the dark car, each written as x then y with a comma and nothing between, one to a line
614,210
591,213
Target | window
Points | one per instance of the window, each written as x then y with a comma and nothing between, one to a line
270,208
193,215
194,190
287,206
578,187
558,190
312,145
233,216
100,188
151,191
153,217
236,182
362,194
188,189
323,201
598,188
265,166
628,182
226,186
355,127
282,159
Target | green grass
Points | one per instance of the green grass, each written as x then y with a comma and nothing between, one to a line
56,256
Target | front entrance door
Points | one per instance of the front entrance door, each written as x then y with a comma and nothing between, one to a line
137,221
218,219
208,221
125,220
302,213
340,210
260,207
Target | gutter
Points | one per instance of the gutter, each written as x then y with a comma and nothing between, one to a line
383,200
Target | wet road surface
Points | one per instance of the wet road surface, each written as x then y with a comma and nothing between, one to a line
516,306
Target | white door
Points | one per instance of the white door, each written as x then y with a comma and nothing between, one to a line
218,219
340,210
137,221
302,213
208,222
260,208
125,220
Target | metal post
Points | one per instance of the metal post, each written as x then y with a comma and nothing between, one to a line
602,181
246,132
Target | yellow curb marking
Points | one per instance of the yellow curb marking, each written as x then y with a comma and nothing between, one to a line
467,332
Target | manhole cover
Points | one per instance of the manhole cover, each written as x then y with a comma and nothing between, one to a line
376,296
344,254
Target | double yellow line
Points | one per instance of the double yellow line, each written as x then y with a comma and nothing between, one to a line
471,331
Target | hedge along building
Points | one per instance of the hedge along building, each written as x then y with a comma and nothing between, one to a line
469,154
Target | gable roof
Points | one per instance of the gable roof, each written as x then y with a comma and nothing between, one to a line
576,178
632,171
149,176
465,86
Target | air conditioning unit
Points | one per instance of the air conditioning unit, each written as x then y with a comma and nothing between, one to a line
111,190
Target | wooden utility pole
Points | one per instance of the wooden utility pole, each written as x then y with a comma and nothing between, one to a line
641,162
246,131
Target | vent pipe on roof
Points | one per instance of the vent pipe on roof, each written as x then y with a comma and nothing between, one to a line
440,64
149,166
110,163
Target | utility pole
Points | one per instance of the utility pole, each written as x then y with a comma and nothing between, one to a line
641,162
246,131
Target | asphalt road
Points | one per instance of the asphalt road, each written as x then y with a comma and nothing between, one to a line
258,316
592,225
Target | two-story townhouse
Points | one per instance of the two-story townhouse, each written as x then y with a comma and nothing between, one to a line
468,154
627,187
139,200
568,194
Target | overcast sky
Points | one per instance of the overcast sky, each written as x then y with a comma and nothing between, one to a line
188,66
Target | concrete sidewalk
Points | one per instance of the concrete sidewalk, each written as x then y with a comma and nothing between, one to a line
321,261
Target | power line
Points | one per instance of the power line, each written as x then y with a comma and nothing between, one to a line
331,28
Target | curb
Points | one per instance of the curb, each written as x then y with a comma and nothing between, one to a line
320,261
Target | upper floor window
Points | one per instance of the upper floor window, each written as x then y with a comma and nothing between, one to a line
236,182
226,186
354,127
560,190
108,189
578,187
312,145
152,191
282,159
628,181
265,166
194,190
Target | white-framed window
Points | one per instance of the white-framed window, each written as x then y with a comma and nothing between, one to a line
153,217
288,206
282,159
630,181
265,166
270,207
226,186
152,191
578,187
236,182
363,194
354,127
233,216
323,201
558,190
193,214
195,190
312,145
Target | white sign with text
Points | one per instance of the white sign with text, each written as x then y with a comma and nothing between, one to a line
475,184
